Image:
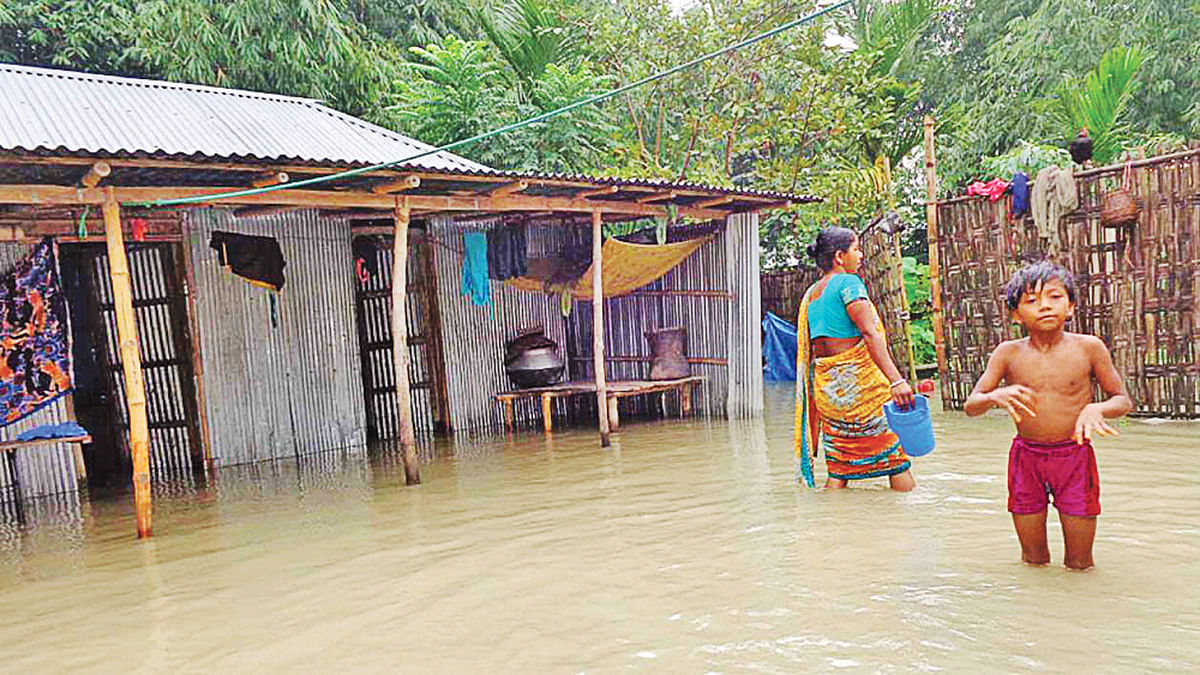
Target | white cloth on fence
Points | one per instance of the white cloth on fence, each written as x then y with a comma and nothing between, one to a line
1054,195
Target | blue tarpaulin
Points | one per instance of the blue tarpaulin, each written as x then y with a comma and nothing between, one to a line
779,349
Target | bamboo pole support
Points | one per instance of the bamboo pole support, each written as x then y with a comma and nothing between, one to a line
96,173
598,326
131,363
905,316
931,223
400,356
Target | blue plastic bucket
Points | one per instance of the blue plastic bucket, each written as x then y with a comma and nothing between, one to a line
914,426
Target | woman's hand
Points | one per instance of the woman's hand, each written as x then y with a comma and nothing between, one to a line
902,394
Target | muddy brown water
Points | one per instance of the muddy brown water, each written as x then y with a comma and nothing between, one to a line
686,548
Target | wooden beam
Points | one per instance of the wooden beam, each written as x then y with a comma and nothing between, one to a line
50,195
598,192
931,234
709,203
131,363
509,188
657,197
260,211
98,172
598,326
400,356
270,178
406,183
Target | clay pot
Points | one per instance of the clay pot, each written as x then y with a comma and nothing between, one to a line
668,353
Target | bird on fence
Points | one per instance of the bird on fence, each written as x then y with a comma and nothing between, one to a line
1081,147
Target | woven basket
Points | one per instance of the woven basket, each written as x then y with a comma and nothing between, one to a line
1118,207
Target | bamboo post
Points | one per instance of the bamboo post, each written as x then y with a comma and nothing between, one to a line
131,362
931,223
598,326
905,316
400,357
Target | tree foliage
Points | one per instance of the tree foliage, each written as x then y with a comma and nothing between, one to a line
834,109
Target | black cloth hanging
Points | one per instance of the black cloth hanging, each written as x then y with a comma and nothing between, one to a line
259,260
506,252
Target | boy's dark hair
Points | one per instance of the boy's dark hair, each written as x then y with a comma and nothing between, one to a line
1034,276
830,240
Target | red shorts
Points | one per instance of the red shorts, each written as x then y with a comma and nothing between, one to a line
1067,471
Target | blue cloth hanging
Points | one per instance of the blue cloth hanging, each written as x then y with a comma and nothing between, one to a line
51,431
1020,194
779,349
475,268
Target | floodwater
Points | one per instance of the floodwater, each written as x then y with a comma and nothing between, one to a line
686,548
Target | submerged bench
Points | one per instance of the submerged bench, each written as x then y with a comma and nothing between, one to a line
617,389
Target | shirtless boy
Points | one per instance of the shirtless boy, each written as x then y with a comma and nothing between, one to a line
1049,377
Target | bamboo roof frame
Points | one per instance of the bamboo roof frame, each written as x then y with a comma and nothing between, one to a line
440,191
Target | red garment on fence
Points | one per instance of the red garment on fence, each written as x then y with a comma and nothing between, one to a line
993,189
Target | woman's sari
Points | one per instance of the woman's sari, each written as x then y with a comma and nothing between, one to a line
839,408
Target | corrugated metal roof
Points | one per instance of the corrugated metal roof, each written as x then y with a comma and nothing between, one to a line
59,110
47,111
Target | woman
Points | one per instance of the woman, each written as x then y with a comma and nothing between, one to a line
844,374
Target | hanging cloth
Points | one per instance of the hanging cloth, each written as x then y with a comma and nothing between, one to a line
475,268
506,252
1054,195
258,260
626,267
1020,194
35,349
993,189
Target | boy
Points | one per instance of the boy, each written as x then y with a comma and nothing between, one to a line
1049,396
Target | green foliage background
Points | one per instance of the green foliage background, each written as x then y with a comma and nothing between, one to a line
834,109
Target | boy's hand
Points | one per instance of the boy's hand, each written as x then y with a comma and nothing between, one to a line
1017,399
1091,423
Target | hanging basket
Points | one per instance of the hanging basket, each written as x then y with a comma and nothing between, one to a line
1118,207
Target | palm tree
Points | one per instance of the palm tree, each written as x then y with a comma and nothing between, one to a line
1098,100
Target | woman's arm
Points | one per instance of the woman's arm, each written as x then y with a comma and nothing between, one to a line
862,313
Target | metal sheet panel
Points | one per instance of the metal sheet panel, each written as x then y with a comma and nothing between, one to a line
474,337
47,469
281,377
745,315
59,110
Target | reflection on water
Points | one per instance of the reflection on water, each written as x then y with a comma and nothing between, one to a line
685,548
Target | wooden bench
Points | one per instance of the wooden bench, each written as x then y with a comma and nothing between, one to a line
616,390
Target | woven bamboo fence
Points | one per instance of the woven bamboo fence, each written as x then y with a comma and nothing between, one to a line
1137,285
881,272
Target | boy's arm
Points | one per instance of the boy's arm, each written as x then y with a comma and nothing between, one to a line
1091,419
1119,402
1016,399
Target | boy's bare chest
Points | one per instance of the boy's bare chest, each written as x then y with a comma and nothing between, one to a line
1061,371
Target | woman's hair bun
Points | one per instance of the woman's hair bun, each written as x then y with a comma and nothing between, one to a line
812,250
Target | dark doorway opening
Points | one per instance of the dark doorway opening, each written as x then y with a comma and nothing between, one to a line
373,305
160,306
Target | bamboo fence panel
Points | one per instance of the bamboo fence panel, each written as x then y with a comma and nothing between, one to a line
1137,286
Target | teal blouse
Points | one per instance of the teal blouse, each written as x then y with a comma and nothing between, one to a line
827,316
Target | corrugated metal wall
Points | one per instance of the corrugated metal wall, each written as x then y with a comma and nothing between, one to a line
473,337
288,385
720,327
742,263
47,469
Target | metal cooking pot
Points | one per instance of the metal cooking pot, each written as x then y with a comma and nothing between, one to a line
537,367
